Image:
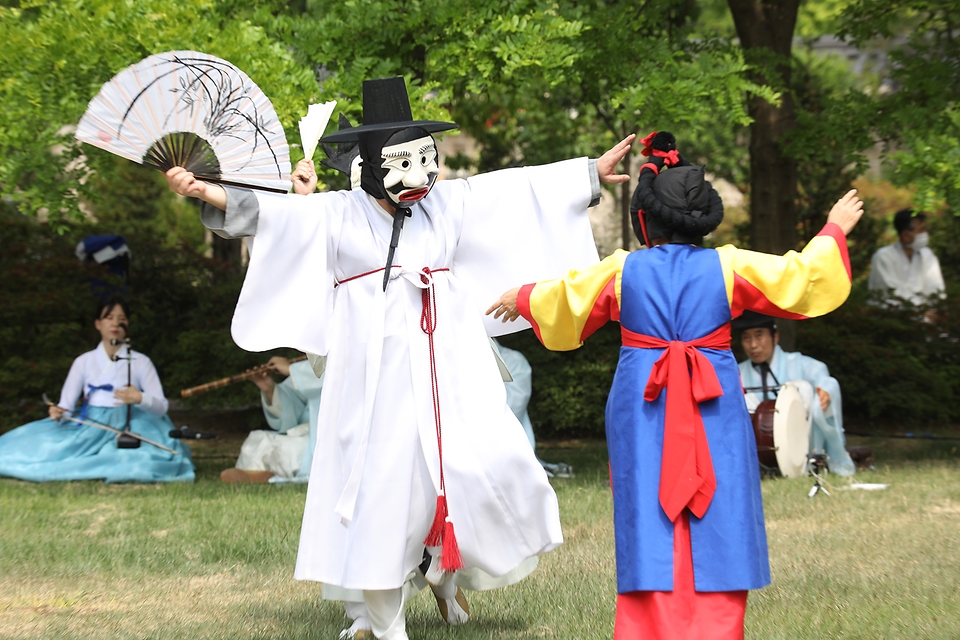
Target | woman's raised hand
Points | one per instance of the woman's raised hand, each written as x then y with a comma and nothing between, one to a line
847,212
506,307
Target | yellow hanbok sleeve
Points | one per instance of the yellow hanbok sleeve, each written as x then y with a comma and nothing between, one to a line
795,285
563,312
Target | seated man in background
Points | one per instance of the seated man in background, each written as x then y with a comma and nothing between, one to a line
519,390
769,366
907,269
291,409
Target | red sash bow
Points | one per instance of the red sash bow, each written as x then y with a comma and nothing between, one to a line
686,470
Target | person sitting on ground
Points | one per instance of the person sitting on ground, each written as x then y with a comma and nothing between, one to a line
68,445
907,269
519,390
291,408
768,366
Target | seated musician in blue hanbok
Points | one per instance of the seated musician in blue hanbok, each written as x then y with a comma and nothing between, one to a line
768,366
291,408
519,385
69,445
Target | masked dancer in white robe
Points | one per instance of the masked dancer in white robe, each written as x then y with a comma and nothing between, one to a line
417,444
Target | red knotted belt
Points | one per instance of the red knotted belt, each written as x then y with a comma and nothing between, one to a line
686,470
441,531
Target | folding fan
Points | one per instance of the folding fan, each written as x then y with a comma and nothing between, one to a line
192,110
313,124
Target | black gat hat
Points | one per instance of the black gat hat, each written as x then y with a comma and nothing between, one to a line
386,108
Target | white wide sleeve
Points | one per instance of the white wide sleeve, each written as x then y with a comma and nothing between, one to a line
73,385
523,225
153,400
287,295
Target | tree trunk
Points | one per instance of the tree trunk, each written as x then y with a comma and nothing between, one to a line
773,178
766,33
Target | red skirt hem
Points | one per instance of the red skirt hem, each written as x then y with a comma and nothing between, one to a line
682,613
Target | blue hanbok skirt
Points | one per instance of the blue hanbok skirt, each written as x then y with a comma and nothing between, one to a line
46,450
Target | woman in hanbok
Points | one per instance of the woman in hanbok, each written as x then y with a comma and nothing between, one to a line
688,515
60,448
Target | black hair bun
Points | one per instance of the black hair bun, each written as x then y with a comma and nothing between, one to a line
663,141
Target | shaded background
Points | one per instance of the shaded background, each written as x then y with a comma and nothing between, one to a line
861,92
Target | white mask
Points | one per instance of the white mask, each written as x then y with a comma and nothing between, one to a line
920,241
355,174
411,169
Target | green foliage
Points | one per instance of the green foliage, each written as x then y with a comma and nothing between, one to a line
893,369
819,17
570,388
828,143
533,81
930,164
917,118
57,55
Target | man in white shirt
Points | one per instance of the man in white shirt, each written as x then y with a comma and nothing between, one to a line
907,269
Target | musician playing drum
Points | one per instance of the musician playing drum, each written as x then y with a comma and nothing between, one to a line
768,366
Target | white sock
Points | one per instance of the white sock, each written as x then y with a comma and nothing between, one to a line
385,612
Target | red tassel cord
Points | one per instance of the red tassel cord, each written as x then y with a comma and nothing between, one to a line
435,536
441,531
451,560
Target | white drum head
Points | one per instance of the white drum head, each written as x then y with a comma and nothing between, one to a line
791,432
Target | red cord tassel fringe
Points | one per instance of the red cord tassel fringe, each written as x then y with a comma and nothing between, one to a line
435,536
451,560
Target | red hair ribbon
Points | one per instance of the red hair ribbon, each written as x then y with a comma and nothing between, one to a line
670,158
646,143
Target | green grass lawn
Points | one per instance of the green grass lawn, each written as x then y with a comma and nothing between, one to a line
209,560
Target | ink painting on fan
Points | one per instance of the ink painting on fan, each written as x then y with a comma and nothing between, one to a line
193,110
